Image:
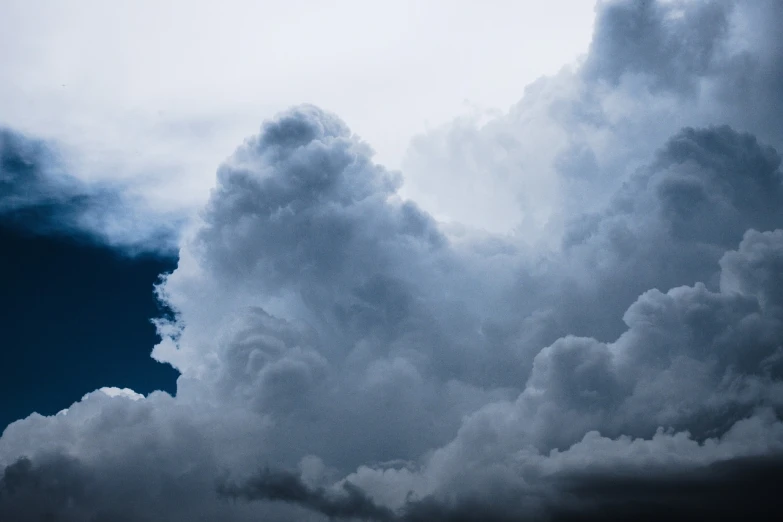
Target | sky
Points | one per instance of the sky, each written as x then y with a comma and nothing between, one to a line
59,296
440,261
190,80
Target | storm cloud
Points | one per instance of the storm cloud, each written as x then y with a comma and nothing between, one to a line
345,355
287,487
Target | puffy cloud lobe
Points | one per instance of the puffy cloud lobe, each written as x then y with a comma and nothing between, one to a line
600,478
688,354
331,300
670,224
307,213
408,371
310,193
755,269
691,359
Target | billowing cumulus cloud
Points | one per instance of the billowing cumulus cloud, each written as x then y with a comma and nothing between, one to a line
345,355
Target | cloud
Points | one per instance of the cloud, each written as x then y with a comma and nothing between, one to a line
281,486
670,223
50,487
39,195
736,489
645,38
690,359
377,364
576,136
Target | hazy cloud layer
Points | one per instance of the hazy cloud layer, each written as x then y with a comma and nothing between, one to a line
344,355
38,194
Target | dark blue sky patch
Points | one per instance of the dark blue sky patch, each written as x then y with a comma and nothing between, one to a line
74,317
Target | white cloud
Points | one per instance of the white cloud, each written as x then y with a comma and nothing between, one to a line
127,393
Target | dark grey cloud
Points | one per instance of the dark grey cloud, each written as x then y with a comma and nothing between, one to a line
282,486
52,489
690,359
399,369
674,45
720,56
37,194
60,488
738,489
669,224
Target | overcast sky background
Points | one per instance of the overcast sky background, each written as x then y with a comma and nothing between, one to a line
391,261
190,80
